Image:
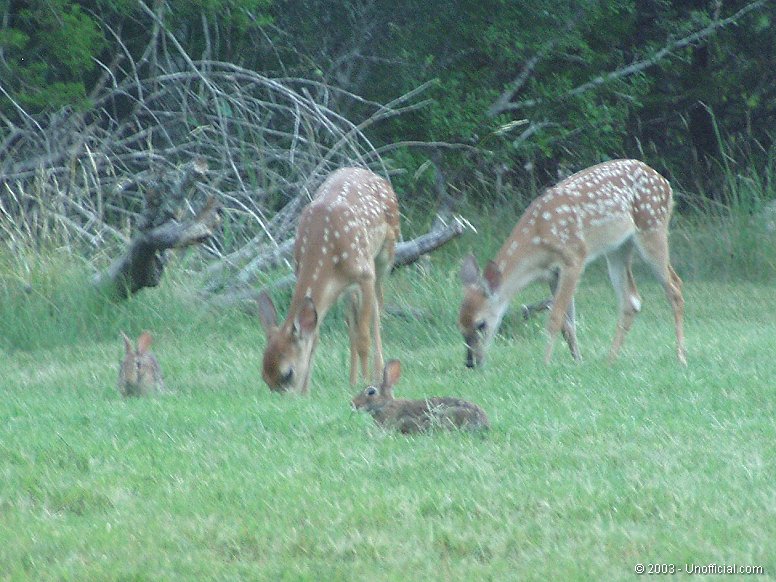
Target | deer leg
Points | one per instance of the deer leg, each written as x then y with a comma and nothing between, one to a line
352,318
653,246
306,384
569,329
369,316
383,264
564,295
378,362
628,299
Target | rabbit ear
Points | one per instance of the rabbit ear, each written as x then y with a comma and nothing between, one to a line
390,377
144,342
267,314
127,343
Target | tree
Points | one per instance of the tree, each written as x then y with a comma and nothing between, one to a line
548,86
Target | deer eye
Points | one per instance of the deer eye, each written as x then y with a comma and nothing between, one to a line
371,391
481,326
287,377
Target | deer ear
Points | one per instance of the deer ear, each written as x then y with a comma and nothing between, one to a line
144,342
470,270
307,319
127,343
267,314
492,276
390,377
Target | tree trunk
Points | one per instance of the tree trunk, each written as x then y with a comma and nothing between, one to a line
159,230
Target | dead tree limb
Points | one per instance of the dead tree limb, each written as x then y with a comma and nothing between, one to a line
532,309
407,252
160,229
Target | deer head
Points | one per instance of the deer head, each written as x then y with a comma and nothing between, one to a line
480,315
287,357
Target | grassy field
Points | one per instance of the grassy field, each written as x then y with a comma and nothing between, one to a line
588,470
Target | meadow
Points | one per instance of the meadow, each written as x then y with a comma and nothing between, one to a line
589,469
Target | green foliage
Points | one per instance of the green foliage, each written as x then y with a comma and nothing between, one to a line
479,50
546,52
49,50
50,47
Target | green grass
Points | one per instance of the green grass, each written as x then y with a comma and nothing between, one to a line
588,470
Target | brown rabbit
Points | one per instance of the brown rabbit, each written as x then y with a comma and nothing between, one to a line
140,374
409,416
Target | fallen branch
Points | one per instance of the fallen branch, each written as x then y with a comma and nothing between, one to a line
532,309
410,251
159,230
407,252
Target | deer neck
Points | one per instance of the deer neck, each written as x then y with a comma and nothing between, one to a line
520,265
311,283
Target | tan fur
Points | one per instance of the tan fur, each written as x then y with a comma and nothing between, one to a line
609,210
344,244
140,373
410,416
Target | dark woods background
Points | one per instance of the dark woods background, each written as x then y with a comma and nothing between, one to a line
519,95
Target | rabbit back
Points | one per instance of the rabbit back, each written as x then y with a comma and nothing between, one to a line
456,413
412,416
140,375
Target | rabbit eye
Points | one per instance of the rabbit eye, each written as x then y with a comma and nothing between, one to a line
371,391
481,326
288,376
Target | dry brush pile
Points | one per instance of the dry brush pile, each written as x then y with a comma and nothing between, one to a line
174,152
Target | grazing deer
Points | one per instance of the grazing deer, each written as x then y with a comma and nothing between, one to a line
344,244
608,210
